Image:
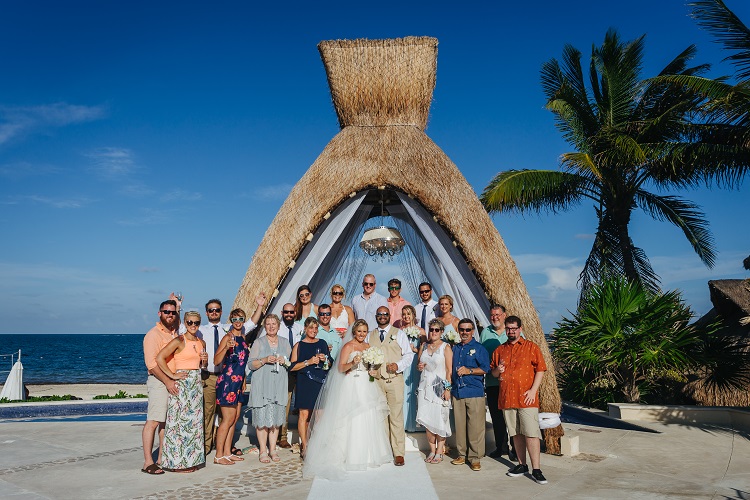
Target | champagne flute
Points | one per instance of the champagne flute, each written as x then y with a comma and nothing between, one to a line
275,368
317,353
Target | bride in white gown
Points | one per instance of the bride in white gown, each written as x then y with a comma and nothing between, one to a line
348,431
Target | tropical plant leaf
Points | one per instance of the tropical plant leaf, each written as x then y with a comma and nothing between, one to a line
534,190
730,31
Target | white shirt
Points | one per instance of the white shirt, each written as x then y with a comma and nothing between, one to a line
365,308
407,355
431,305
206,332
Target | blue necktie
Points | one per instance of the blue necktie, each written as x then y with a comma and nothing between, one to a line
382,335
291,337
424,315
216,338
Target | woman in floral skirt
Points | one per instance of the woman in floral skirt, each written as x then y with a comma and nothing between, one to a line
230,385
183,434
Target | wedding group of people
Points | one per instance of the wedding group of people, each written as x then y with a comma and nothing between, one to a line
359,376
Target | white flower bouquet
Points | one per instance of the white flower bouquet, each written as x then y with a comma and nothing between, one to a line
451,336
412,332
374,357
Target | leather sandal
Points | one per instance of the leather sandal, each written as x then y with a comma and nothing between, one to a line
226,461
264,458
275,456
428,459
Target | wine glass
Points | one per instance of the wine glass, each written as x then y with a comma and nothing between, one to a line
317,353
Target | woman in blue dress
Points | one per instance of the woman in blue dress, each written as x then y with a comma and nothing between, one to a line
310,360
232,355
411,376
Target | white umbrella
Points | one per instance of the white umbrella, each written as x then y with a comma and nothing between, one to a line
13,388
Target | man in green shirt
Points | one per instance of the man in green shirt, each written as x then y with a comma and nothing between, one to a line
327,333
491,337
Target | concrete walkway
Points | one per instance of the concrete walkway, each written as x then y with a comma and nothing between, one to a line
100,457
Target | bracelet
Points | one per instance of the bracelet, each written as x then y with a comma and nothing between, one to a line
305,362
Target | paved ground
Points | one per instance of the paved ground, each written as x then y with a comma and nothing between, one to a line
100,458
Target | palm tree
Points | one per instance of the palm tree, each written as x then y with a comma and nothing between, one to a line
629,134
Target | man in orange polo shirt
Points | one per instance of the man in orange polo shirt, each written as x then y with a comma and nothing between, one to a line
519,365
159,384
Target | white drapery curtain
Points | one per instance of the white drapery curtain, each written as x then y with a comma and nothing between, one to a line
334,256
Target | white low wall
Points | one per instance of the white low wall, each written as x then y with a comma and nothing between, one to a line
734,418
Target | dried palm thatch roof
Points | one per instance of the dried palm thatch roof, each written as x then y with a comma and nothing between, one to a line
382,91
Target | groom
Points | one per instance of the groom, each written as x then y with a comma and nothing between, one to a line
398,357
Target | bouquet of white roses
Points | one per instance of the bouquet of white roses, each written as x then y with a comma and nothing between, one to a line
412,332
373,356
451,336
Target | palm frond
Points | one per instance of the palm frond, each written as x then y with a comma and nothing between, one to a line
684,215
534,191
732,33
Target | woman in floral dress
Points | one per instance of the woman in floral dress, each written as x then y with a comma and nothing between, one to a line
232,355
183,435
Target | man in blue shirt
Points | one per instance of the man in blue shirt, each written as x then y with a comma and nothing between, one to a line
470,363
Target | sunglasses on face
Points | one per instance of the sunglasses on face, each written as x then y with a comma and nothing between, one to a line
421,292
436,329
168,312
464,330
368,284
304,294
287,312
391,288
324,314
383,314
193,323
240,319
214,310
337,293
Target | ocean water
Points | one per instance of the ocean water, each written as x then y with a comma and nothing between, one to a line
76,358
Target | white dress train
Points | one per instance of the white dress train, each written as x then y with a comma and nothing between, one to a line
348,431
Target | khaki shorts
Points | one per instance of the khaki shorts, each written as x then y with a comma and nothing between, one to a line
157,400
524,421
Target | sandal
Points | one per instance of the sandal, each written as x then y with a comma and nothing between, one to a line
275,456
437,459
264,458
228,461
153,470
235,458
237,452
428,459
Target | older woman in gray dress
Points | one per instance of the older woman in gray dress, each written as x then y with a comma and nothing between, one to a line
269,359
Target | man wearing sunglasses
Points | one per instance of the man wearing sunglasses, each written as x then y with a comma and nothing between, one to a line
398,357
325,332
212,332
426,307
396,302
470,363
519,365
160,386
365,304
293,332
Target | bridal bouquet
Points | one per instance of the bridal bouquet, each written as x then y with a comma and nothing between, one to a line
412,332
451,336
373,357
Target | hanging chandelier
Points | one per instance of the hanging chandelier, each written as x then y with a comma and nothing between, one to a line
382,241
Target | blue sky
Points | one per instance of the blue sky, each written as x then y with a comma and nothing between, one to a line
146,146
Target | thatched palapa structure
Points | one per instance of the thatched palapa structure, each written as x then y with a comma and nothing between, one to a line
382,90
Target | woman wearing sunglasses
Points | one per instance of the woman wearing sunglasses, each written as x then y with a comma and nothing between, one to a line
342,316
232,355
434,396
304,307
183,434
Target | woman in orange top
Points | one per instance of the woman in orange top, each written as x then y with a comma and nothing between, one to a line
183,434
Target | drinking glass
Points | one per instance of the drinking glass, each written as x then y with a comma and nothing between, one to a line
275,368
317,353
